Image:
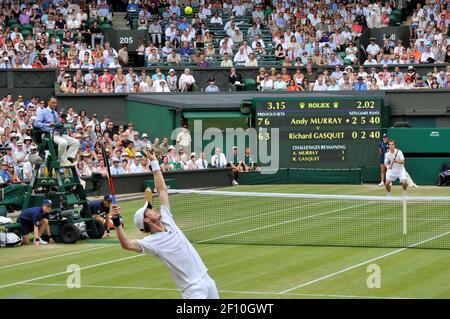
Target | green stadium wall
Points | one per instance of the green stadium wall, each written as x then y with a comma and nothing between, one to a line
155,120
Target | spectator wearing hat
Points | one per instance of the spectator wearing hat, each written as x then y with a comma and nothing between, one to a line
172,81
115,168
27,142
13,142
171,156
35,220
20,155
145,142
135,166
212,87
360,85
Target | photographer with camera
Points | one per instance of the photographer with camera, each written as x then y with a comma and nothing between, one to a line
47,120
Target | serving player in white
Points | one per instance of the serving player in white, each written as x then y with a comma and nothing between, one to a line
166,241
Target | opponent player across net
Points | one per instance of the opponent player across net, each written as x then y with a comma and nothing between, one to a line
395,167
166,241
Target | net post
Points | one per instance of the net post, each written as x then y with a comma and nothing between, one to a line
404,218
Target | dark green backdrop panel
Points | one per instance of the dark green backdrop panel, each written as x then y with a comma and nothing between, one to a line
155,120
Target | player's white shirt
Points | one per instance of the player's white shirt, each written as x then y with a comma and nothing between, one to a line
175,250
396,168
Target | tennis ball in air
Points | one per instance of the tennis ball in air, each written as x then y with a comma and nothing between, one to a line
188,10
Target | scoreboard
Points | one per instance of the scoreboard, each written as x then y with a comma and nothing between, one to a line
326,132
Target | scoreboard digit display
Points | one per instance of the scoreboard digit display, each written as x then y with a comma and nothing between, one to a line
330,132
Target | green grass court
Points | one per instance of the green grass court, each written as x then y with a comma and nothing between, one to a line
271,264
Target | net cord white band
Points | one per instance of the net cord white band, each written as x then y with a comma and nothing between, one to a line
313,196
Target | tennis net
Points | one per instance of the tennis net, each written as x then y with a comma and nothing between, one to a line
308,219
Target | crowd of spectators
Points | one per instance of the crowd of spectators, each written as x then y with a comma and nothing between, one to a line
50,34
124,145
129,82
231,33
349,78
318,32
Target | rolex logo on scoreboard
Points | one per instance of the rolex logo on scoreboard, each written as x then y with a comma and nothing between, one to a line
302,105
335,105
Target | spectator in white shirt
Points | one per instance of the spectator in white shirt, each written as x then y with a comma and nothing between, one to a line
266,83
373,47
427,56
320,85
239,10
186,81
241,56
398,83
218,160
370,60
251,61
216,19
201,162
258,40
279,84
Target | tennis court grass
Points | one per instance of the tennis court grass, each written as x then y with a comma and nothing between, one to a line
240,271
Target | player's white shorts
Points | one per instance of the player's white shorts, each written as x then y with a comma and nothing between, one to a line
205,288
394,175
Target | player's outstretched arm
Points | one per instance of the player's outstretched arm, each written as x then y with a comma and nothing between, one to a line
160,184
126,243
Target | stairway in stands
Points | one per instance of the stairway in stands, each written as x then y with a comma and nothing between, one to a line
119,21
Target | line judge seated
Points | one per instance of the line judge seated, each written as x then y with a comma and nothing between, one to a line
67,146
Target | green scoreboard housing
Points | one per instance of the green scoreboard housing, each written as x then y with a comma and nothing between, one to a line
325,132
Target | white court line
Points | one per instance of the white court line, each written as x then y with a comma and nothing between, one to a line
390,218
52,257
221,291
360,264
68,272
282,223
113,261
258,215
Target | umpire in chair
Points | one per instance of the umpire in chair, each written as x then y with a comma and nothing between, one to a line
67,146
